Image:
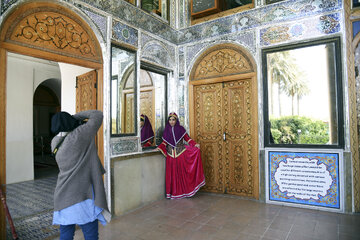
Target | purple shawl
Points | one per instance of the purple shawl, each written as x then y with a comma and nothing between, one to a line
172,135
147,132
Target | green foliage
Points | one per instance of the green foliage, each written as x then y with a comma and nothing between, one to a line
299,130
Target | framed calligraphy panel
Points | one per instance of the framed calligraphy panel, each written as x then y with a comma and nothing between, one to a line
306,178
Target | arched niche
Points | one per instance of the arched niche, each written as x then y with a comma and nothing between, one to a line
222,60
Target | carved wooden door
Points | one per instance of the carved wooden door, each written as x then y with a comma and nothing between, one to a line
86,91
208,133
225,127
240,140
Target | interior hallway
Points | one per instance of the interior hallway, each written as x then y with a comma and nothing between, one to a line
221,217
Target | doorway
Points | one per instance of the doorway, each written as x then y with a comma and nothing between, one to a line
223,119
45,105
66,47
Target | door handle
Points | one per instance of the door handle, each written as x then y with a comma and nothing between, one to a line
224,136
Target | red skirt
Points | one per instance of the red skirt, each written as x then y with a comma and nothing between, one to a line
184,174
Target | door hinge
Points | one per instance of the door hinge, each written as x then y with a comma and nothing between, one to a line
95,85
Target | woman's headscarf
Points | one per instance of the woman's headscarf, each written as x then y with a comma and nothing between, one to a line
63,122
146,130
172,135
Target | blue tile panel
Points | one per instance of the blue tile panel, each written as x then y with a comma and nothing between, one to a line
305,178
99,20
135,17
245,39
271,14
308,28
124,33
5,4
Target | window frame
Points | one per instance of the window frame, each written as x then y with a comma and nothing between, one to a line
162,71
339,92
216,12
135,91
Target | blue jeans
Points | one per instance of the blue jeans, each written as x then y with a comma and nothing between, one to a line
90,231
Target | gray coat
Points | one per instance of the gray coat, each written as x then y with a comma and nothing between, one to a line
80,166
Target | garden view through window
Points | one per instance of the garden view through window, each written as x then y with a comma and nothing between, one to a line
303,97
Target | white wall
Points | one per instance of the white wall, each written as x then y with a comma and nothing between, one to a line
24,74
20,89
138,180
68,83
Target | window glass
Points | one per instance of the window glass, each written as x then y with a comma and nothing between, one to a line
123,92
303,95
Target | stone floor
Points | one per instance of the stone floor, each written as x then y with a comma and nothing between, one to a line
221,217
31,205
204,216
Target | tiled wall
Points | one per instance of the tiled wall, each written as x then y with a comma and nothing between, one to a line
161,43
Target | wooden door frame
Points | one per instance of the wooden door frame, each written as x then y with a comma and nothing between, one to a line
43,54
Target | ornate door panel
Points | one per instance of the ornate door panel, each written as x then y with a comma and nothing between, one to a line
86,91
128,117
147,105
240,145
208,132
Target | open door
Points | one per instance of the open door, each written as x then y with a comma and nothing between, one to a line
86,85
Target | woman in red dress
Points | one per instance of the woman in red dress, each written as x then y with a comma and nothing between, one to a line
147,133
184,170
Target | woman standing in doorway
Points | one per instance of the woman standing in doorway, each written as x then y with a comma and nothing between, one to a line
79,196
184,170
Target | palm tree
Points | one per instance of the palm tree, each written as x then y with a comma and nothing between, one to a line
297,86
281,70
301,91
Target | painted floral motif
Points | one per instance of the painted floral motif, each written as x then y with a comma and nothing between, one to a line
327,4
297,30
311,27
329,24
278,13
275,34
